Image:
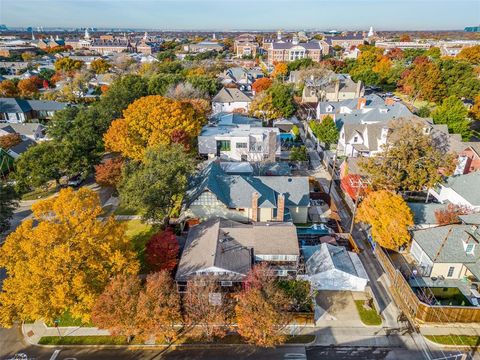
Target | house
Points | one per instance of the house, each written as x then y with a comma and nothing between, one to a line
32,131
245,45
468,159
247,198
228,249
424,214
231,100
462,190
290,50
241,76
346,41
342,87
19,149
19,110
330,267
450,251
204,46
233,136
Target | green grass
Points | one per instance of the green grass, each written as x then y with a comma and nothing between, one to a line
120,210
39,194
460,340
140,233
121,340
368,317
68,320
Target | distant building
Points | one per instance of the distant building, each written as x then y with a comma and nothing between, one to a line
231,100
245,45
341,88
290,50
472,29
344,41
204,46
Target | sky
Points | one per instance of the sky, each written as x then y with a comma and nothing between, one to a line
243,14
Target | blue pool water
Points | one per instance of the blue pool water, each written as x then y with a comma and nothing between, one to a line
286,136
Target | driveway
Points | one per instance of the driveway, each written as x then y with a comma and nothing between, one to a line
336,307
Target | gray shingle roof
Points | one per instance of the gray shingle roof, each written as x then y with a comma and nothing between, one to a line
235,191
311,45
233,119
471,219
11,105
425,213
431,239
229,95
467,186
27,129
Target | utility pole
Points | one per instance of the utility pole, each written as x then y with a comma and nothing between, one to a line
333,170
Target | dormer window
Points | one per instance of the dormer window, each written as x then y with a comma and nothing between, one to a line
329,108
468,247
426,130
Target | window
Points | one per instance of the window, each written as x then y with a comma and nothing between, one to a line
241,145
223,145
355,139
469,248
451,269
226,283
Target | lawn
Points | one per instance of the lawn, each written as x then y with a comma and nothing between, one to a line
121,340
140,233
39,194
120,210
460,340
368,317
67,320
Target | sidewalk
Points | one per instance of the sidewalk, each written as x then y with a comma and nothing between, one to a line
35,331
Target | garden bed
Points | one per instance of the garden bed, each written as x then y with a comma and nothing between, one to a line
369,317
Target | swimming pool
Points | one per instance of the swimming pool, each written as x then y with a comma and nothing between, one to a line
286,137
315,229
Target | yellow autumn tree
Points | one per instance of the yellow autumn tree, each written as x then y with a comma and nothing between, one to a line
280,70
153,120
389,216
64,261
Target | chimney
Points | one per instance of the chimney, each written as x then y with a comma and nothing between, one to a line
337,89
255,206
358,92
361,103
280,207
389,101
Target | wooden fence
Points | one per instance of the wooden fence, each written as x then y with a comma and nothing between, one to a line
416,310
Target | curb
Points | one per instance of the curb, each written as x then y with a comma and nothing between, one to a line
463,347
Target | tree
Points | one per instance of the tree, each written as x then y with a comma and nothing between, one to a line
39,164
8,203
100,66
8,88
300,64
405,38
116,308
68,65
167,55
261,309
470,54
62,259
389,217
453,113
29,87
459,78
261,84
10,140
280,70
157,185
204,310
423,81
282,99
298,153
149,121
160,83
109,172
475,110
325,131
424,111
451,214
162,250
204,84
411,160
395,54
158,309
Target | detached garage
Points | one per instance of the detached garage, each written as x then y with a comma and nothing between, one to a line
330,267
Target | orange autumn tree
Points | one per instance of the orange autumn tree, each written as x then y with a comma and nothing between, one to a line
62,259
261,309
109,172
261,84
150,121
280,70
389,217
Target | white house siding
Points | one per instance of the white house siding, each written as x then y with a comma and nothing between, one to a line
205,212
421,258
230,107
447,194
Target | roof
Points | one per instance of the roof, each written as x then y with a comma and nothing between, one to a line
22,147
11,105
311,45
424,213
467,186
329,257
229,95
452,237
232,119
27,129
228,245
235,191
470,219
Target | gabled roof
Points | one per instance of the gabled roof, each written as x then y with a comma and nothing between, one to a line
229,95
235,191
11,105
329,257
27,129
233,119
467,186
452,237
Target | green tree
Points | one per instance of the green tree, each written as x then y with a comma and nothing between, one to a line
325,131
453,113
298,153
205,84
167,55
410,161
99,66
156,185
67,64
300,64
160,83
424,111
8,203
282,99
459,78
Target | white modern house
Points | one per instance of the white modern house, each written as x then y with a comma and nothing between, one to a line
330,267
462,190
231,100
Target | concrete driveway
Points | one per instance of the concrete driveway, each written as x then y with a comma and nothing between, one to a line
336,307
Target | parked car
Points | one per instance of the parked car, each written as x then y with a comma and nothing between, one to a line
75,181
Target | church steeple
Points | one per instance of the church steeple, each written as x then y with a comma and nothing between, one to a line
87,35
